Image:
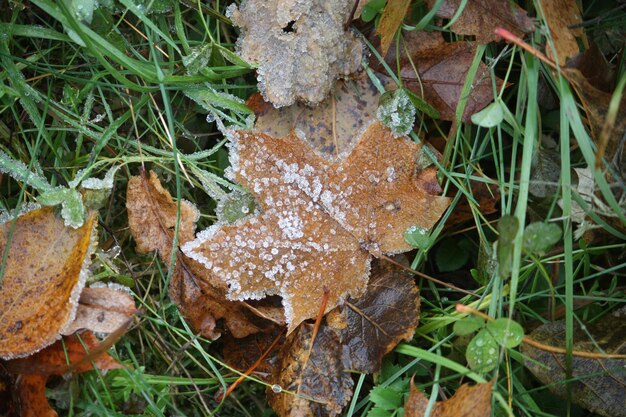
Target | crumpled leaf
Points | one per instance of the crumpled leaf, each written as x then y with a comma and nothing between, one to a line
390,21
200,297
103,310
300,47
44,274
386,314
320,222
467,401
481,17
442,68
34,370
596,384
560,16
319,377
330,127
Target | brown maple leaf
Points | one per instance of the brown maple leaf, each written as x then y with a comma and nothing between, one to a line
200,297
467,401
320,222
44,275
481,17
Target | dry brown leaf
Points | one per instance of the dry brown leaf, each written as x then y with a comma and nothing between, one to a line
596,384
390,21
329,127
319,382
386,314
54,360
44,275
320,222
441,71
102,309
200,297
300,47
481,17
467,401
560,15
242,354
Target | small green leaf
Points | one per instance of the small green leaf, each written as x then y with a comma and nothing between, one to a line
234,206
506,332
507,228
467,325
72,209
490,116
418,237
386,398
371,9
421,105
482,352
539,237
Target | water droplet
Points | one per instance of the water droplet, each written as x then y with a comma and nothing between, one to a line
277,388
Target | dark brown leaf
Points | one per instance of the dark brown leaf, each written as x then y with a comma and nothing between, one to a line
320,384
242,354
597,384
441,71
386,314
467,401
481,17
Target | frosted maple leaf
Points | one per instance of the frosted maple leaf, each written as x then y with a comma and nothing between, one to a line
320,222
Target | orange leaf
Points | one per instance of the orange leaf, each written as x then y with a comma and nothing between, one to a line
76,353
321,222
467,401
560,15
43,278
390,21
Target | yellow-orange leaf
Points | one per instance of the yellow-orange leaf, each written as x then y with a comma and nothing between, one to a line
390,21
43,278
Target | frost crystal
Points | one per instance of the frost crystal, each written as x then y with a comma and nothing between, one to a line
300,46
397,112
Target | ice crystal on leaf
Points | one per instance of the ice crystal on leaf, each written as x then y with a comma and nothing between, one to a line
319,222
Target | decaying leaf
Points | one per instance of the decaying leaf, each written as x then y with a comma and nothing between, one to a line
386,314
319,381
201,298
243,353
467,401
54,360
560,15
320,221
44,274
300,47
596,384
441,71
390,21
481,17
329,128
102,309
